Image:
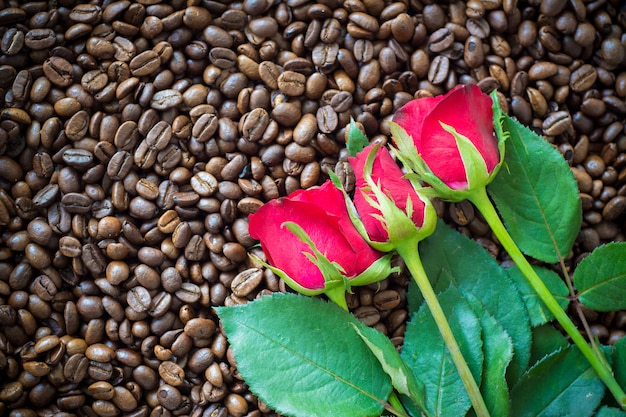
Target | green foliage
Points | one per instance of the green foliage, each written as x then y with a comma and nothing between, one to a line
537,311
301,355
619,361
450,258
402,379
610,412
601,285
426,355
498,351
546,339
562,384
543,224
356,139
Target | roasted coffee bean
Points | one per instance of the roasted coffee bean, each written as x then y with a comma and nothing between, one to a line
76,203
327,119
583,78
166,99
291,83
120,165
440,40
145,63
254,124
12,41
59,71
438,70
556,123
246,281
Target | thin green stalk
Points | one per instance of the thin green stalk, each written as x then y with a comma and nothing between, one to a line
395,406
408,252
596,359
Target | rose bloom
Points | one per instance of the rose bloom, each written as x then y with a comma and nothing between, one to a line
322,213
389,175
465,108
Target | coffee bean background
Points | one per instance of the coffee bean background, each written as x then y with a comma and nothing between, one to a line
137,136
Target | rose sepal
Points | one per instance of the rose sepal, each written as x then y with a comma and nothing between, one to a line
501,134
377,271
288,280
331,271
474,164
356,219
475,167
335,282
478,175
398,223
418,168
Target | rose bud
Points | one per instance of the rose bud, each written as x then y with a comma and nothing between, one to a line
387,203
449,141
310,242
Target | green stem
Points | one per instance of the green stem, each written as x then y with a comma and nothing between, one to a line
396,406
596,359
408,252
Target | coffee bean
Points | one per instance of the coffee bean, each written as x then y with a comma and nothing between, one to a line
119,166
473,52
614,208
10,169
166,99
139,299
145,63
246,281
583,78
199,328
70,246
369,75
440,40
59,71
438,70
254,124
327,120
556,123
75,369
171,373
291,83
12,41
542,70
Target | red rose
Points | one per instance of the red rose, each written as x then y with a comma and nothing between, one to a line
468,111
388,175
321,212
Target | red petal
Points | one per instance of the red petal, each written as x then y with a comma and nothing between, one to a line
411,116
322,213
469,111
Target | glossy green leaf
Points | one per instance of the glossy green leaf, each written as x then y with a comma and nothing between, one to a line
619,361
356,139
302,357
537,311
451,258
546,341
402,379
607,411
426,355
600,278
562,384
536,194
498,351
